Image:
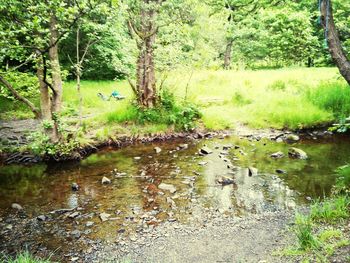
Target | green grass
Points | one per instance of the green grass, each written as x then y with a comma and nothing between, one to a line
23,257
331,210
282,98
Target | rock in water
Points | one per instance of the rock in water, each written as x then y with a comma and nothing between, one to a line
277,155
157,149
297,153
104,216
41,218
252,171
280,171
167,187
205,150
17,206
225,180
105,180
75,187
183,146
292,138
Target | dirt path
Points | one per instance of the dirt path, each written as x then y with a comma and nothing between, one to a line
222,239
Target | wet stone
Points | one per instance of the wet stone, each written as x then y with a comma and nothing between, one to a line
75,187
89,223
277,155
167,187
41,218
104,216
157,149
105,180
74,215
17,206
205,150
297,153
280,171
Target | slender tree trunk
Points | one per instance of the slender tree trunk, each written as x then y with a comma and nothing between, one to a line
145,75
45,102
334,45
56,77
20,97
227,57
78,72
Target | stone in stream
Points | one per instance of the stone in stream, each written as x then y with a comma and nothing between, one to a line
74,215
76,233
17,206
183,146
297,153
41,218
227,147
291,138
75,187
225,180
252,171
105,180
277,155
205,150
137,158
104,216
157,149
280,171
167,187
89,223
202,163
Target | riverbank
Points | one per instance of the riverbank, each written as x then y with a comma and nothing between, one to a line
154,199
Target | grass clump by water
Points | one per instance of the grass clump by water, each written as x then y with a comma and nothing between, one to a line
23,257
321,233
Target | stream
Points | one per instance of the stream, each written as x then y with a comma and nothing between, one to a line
175,186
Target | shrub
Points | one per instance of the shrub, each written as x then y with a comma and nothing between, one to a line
277,85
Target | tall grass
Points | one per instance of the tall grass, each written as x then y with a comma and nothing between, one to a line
333,96
23,257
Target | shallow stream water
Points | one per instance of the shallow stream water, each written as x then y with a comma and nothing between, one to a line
134,200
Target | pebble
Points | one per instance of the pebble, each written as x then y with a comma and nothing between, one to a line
17,206
105,180
75,187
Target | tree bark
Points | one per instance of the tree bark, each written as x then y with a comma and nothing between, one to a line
20,97
228,51
145,71
45,102
334,45
55,67
56,78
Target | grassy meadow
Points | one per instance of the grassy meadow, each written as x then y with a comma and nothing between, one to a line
283,98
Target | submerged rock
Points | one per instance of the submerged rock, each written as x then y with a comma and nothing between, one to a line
205,150
202,163
157,149
17,206
104,216
277,155
297,153
167,187
225,180
75,187
105,180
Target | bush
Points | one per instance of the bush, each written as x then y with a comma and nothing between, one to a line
170,112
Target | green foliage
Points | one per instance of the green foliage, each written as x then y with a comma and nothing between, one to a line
277,85
42,145
343,181
170,112
26,84
23,257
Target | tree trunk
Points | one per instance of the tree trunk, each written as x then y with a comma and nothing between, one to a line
145,75
45,103
228,51
20,97
56,77
334,44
